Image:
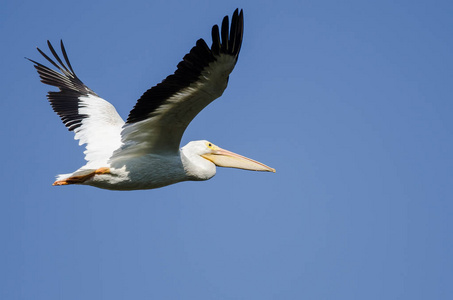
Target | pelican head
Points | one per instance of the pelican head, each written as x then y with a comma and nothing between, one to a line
212,154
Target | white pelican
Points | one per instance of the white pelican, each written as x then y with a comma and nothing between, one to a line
143,152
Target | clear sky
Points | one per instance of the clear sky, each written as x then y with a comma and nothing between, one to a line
350,101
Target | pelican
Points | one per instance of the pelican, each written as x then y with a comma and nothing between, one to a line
144,152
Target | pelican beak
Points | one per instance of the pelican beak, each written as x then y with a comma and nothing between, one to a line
224,158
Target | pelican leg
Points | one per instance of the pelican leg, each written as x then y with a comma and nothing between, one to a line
78,179
101,171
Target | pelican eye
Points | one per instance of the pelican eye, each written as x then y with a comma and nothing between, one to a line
209,145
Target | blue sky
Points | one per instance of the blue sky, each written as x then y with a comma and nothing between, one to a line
350,101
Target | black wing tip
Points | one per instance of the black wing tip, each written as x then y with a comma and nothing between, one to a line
228,39
66,101
64,68
29,59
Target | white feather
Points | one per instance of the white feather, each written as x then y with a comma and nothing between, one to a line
100,130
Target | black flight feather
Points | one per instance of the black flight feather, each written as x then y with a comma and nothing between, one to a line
66,102
190,68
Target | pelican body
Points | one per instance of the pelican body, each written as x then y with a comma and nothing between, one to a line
143,152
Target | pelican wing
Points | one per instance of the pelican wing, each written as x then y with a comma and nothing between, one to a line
94,121
160,117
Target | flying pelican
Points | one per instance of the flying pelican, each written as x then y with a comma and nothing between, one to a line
143,152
